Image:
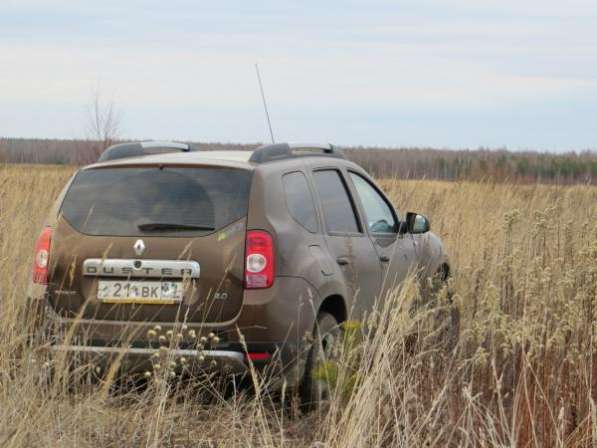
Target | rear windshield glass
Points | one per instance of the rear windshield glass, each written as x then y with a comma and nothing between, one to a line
156,201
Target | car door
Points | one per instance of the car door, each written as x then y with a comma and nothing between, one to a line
353,252
396,252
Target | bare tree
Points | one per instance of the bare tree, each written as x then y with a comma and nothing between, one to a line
104,121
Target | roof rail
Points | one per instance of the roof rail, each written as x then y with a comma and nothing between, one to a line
136,149
280,151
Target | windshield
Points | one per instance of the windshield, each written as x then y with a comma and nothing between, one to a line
156,200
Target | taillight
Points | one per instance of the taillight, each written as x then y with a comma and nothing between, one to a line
259,264
42,256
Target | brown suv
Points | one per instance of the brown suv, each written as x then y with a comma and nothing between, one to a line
226,257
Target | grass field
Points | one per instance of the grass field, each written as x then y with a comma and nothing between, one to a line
524,372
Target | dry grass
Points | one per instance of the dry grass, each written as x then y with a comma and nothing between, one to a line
523,374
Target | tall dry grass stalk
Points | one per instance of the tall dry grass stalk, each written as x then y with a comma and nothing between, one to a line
523,373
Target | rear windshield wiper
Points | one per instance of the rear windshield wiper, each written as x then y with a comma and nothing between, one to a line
171,226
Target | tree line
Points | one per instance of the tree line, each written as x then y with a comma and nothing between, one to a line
412,163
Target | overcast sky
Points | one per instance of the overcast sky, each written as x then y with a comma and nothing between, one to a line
443,73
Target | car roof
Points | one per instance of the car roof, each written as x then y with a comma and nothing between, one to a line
131,154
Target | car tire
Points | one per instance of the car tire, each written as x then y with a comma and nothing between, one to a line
447,314
327,334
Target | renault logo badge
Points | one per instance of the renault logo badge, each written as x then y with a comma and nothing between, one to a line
139,247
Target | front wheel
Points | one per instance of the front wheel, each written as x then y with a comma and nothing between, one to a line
445,313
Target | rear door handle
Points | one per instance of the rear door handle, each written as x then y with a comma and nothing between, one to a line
384,259
342,261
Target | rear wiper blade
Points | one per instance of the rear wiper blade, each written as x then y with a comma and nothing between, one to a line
172,226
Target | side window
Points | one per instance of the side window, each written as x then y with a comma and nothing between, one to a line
299,200
337,207
378,213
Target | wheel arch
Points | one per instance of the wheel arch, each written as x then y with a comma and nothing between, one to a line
336,306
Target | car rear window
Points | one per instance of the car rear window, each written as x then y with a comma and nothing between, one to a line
116,201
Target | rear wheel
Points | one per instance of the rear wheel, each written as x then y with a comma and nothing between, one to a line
315,388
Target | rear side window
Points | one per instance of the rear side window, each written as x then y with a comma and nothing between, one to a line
336,204
154,201
299,200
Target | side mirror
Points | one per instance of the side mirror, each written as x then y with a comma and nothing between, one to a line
415,224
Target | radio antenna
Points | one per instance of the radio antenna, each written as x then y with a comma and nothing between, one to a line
269,123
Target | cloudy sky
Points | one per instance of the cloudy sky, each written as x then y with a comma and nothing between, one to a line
444,73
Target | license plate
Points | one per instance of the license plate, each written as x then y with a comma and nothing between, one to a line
151,292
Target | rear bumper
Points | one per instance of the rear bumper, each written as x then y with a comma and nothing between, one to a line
271,321
140,360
